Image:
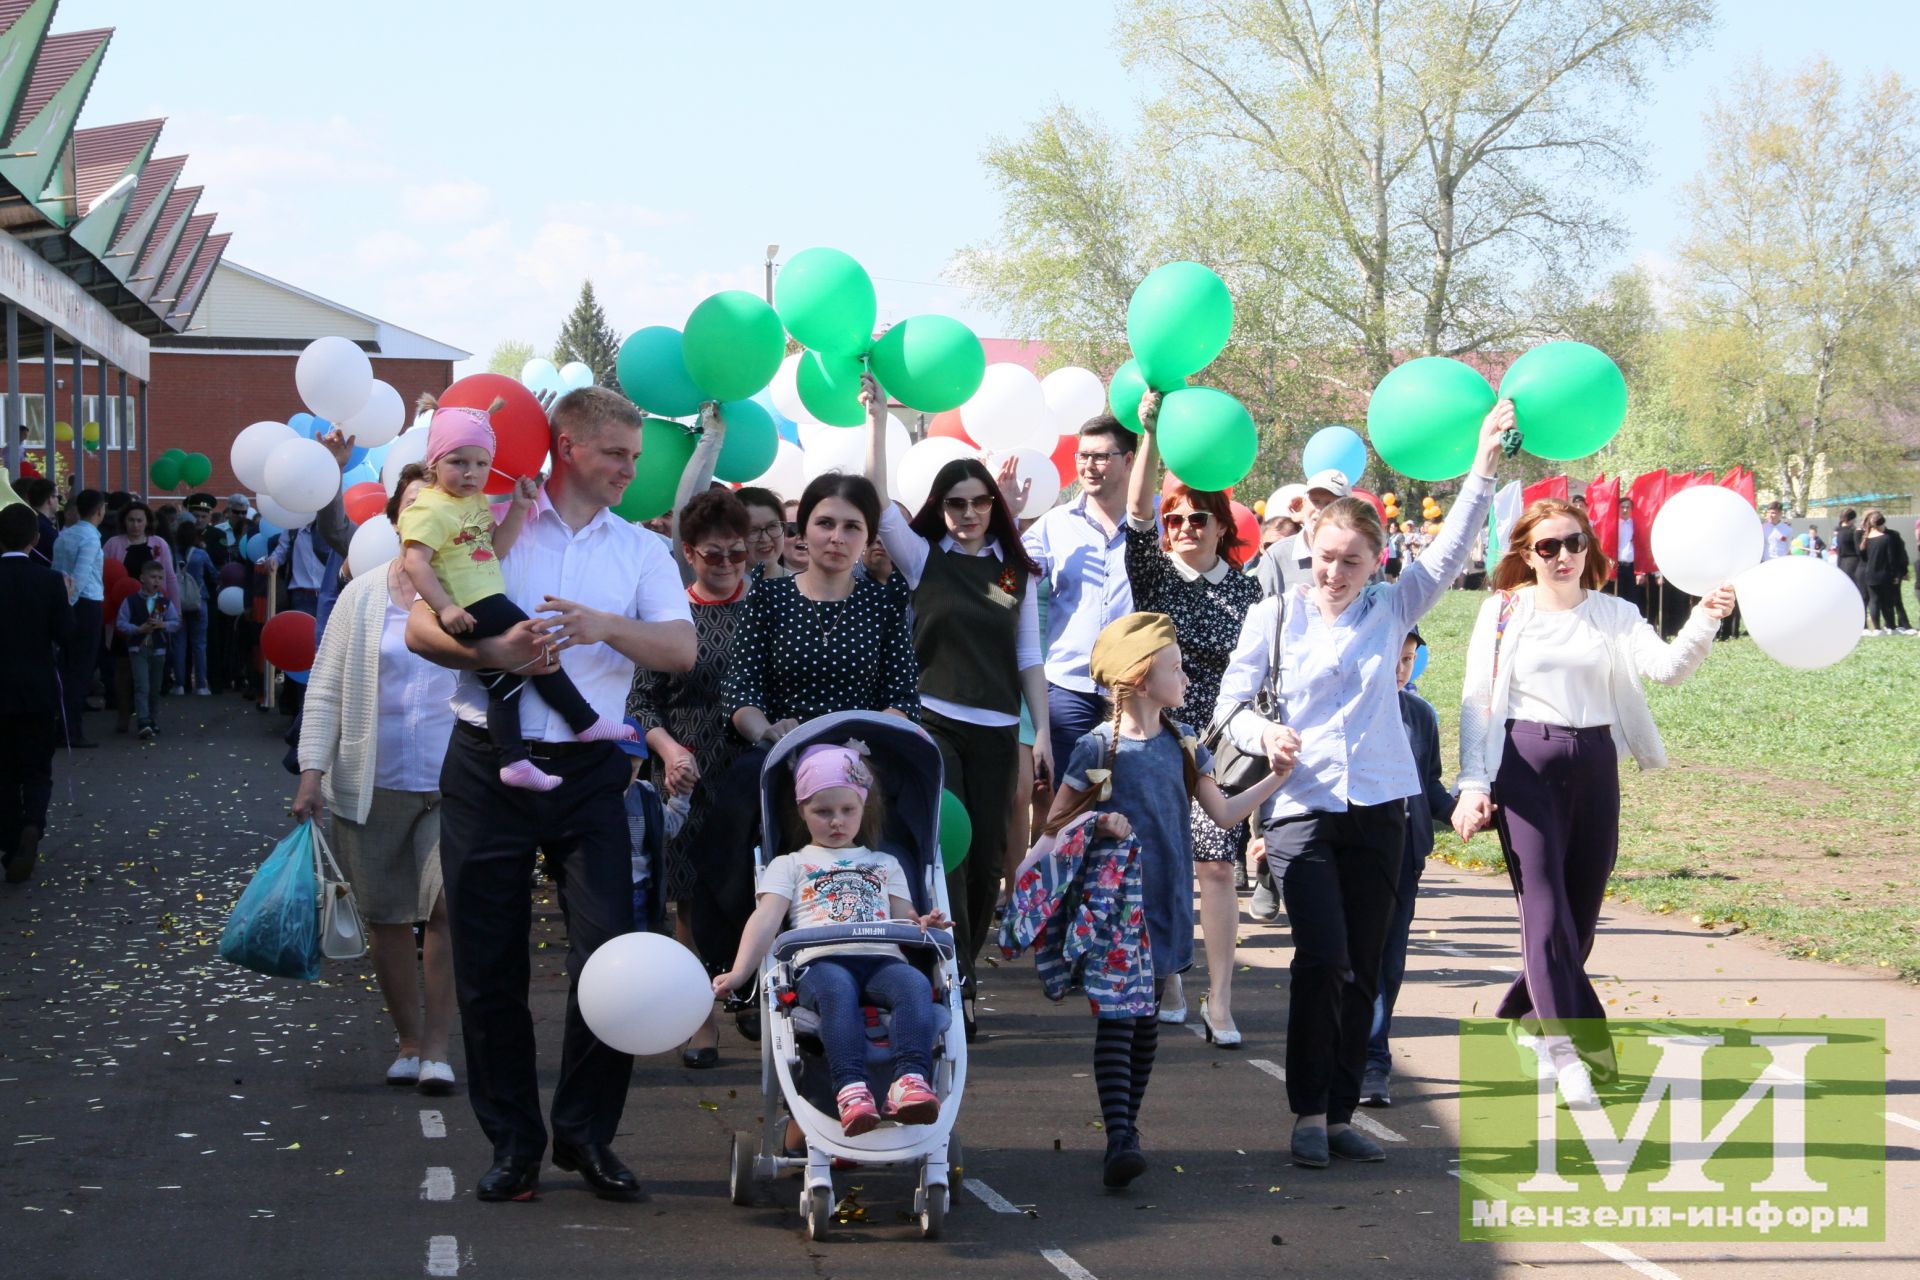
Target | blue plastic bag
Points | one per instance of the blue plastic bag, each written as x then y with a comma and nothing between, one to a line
275,927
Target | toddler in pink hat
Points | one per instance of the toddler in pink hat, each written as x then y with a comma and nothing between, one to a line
450,549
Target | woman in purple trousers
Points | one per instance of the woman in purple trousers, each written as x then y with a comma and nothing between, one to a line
1552,700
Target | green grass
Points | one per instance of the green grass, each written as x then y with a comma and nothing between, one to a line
1790,807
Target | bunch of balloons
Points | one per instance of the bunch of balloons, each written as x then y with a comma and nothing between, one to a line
1390,502
176,467
1178,321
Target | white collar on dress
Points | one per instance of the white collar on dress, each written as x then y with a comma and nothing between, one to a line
1214,575
988,547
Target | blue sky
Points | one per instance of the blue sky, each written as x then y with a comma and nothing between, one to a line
457,168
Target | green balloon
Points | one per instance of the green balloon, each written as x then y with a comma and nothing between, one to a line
196,470
1568,399
1207,438
829,387
751,443
165,473
653,372
665,449
956,831
929,363
826,300
1124,392
1178,320
178,455
1424,417
733,345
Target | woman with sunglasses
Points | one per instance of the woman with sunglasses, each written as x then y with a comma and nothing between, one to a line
1188,575
1552,697
976,631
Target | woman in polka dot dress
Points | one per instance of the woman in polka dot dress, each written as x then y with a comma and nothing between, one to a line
1188,575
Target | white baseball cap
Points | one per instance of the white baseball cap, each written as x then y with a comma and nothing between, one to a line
1334,482
1281,501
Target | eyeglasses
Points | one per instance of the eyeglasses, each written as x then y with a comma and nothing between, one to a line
1089,458
980,504
1195,520
765,532
716,557
1548,548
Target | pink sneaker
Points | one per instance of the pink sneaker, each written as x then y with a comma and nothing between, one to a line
910,1101
857,1112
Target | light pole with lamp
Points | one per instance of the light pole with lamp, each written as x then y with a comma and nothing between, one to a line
773,251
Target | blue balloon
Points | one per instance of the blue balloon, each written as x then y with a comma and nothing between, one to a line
298,677
367,470
302,424
788,429
1419,663
357,457
257,545
1335,449
374,461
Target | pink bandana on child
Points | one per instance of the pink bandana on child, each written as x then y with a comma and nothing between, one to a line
453,429
822,768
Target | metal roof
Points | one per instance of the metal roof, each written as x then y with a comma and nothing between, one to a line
102,156
59,58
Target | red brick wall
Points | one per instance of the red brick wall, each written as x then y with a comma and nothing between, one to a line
200,400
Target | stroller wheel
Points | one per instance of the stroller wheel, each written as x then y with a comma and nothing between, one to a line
819,1205
740,1178
933,1212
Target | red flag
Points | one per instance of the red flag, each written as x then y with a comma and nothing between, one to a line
1552,487
1740,480
1647,493
1603,513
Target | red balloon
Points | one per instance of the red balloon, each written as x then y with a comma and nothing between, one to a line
1064,461
1247,525
287,640
519,426
365,500
117,592
233,574
112,571
1377,504
948,424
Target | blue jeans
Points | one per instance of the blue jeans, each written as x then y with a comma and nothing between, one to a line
188,662
1070,716
149,677
1393,962
837,986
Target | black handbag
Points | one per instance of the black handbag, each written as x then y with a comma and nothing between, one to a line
1235,770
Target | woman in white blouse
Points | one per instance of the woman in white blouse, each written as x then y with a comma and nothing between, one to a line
372,737
1338,827
1552,697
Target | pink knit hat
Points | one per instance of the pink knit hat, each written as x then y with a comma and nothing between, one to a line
452,429
823,767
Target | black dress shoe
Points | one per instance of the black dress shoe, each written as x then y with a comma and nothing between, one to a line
512,1178
701,1059
748,1021
603,1170
83,744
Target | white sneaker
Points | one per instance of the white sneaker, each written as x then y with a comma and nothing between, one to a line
1173,1008
203,692
1868,631
404,1071
435,1077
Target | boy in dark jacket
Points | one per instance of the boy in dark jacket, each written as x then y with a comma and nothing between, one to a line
1432,803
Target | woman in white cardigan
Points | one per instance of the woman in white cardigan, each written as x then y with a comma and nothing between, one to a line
375,728
1552,698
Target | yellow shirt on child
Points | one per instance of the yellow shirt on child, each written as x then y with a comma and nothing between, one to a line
460,532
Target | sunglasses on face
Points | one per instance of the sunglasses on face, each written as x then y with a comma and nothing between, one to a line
1549,548
979,504
793,528
716,557
1195,520
765,532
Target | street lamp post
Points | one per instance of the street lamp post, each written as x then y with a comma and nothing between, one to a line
773,251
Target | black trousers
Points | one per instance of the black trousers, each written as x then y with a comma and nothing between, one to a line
489,835
981,763
494,616
1339,874
26,774
723,865
77,661
1885,611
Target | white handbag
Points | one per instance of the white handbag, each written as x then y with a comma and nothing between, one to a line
342,935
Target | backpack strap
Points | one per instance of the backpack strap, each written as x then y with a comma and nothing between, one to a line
1500,628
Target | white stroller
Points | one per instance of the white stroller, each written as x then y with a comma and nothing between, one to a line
907,770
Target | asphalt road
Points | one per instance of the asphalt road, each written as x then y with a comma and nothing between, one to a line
170,1115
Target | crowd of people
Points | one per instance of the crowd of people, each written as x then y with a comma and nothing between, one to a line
559,691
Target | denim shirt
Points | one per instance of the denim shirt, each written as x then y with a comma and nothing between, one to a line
1086,572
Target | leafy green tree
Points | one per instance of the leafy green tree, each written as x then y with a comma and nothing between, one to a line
587,337
510,357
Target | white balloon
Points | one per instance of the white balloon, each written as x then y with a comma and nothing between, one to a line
252,447
408,447
575,374
1035,467
374,543
643,993
1073,395
302,475
787,474
812,431
842,449
1705,537
1802,612
538,373
231,601
913,480
1008,411
334,378
784,394
380,421
279,516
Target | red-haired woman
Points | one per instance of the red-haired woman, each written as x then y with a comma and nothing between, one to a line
1187,573
1552,697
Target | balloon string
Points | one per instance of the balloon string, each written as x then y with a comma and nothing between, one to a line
1510,441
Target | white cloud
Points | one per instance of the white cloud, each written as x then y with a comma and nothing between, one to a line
447,202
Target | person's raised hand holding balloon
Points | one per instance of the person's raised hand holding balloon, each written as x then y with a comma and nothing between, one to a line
1493,431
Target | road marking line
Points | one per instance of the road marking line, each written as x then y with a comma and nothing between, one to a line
1625,1257
438,1184
987,1196
1066,1266
443,1256
1897,1118
1364,1123
433,1125
1465,954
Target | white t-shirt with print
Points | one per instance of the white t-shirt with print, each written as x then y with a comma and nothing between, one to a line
837,886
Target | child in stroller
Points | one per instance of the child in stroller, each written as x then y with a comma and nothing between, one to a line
834,878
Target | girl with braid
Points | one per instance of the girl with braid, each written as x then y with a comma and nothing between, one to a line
1143,771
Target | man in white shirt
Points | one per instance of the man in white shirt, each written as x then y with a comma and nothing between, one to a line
1776,534
1625,585
602,596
